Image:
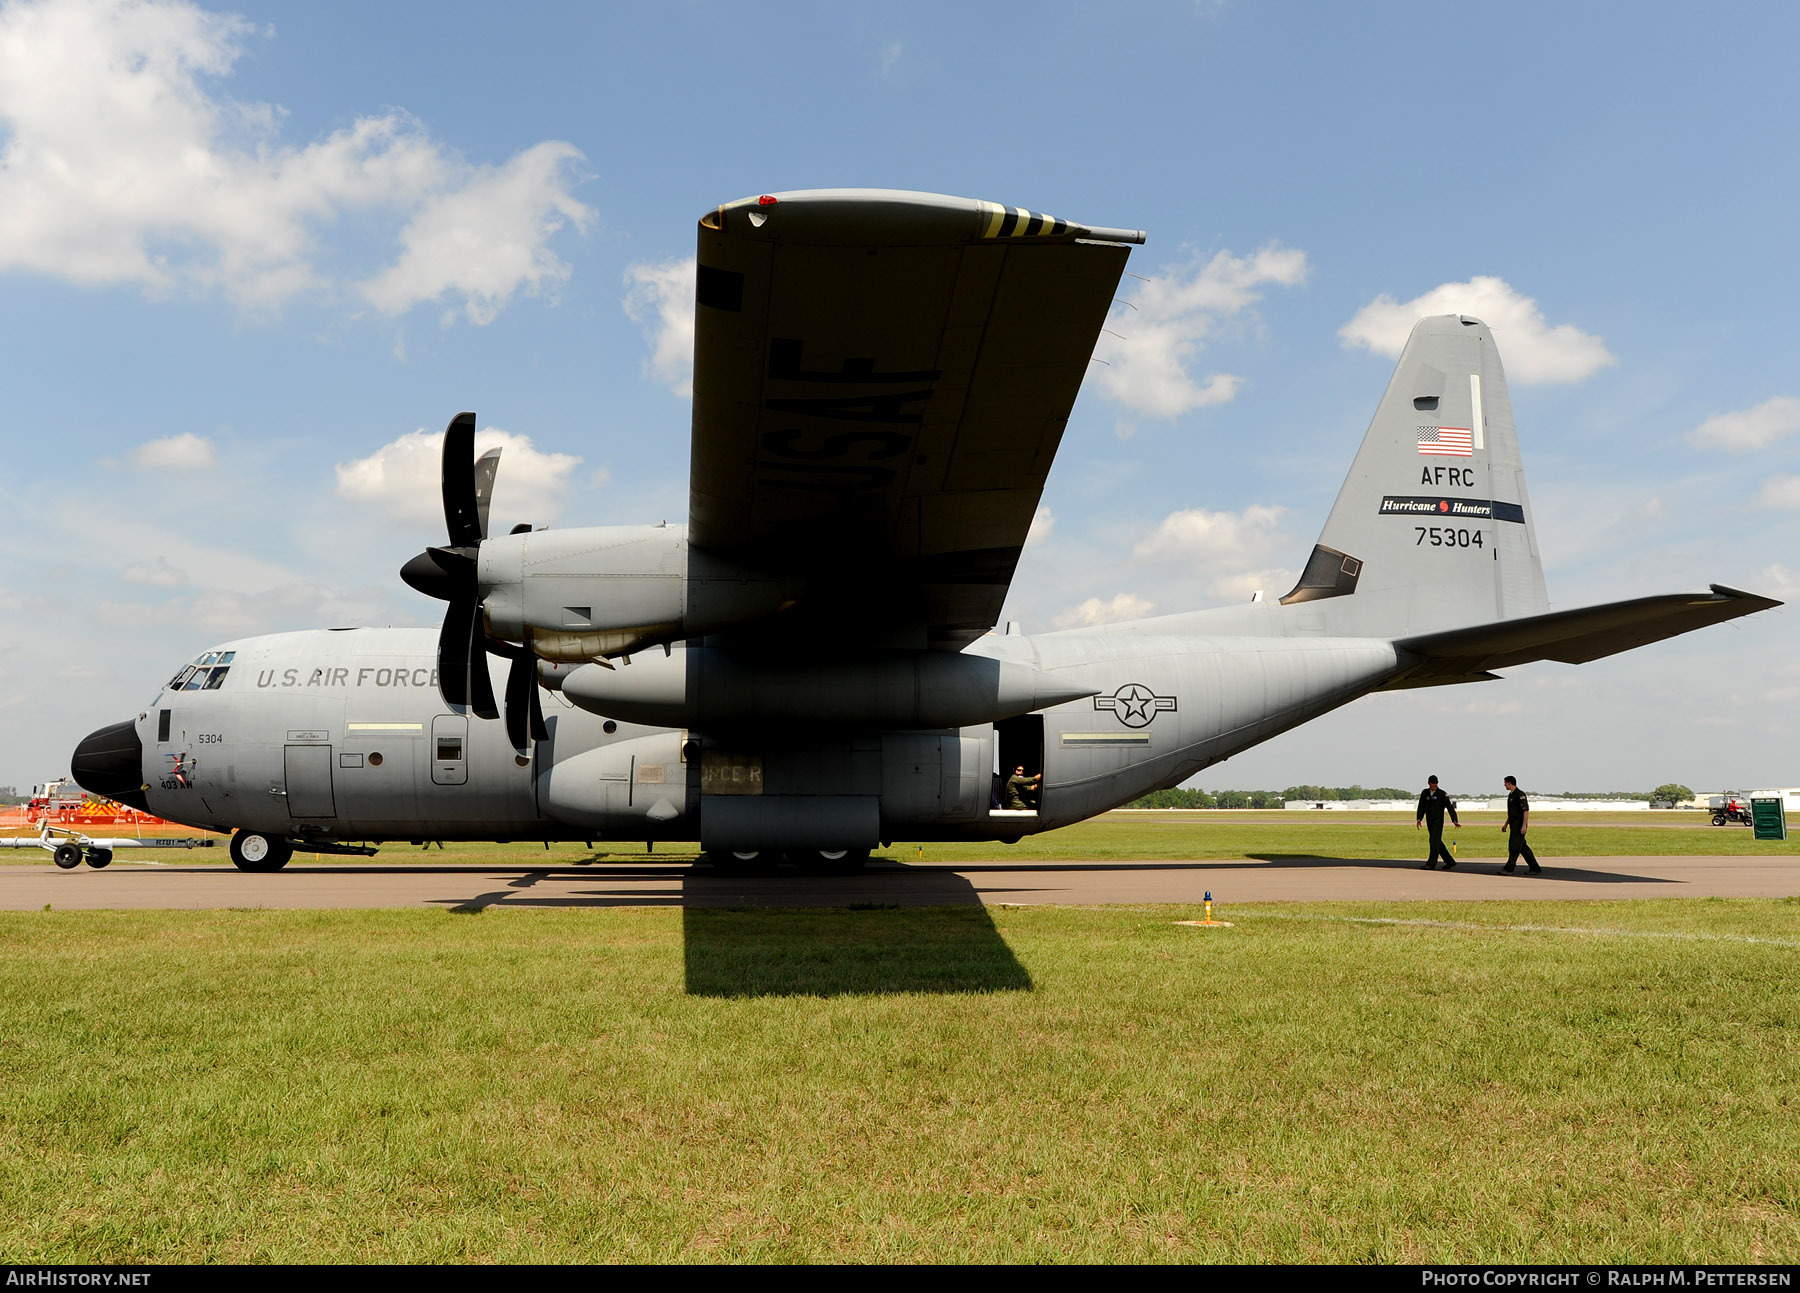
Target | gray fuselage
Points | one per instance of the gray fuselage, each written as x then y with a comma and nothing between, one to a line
342,735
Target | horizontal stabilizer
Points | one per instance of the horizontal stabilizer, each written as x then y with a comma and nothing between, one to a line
1573,637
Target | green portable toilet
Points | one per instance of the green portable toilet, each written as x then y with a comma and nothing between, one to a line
1768,817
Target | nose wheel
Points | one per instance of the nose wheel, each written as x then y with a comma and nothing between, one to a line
259,851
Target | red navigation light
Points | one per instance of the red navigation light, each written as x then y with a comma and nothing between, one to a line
765,201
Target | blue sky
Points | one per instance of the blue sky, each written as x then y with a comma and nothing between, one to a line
248,253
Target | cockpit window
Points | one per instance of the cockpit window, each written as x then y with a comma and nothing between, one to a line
205,674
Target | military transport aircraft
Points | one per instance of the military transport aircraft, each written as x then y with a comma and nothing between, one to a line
809,667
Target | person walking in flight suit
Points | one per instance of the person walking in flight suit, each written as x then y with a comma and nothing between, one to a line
1518,817
1433,804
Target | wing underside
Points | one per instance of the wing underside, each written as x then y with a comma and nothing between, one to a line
1573,637
881,382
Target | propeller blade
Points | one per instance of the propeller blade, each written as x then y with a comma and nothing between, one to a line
485,467
521,681
462,505
481,686
453,651
539,732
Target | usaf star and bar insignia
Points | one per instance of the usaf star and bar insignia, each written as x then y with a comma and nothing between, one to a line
1134,704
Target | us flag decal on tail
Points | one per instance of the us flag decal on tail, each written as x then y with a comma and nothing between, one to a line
1456,442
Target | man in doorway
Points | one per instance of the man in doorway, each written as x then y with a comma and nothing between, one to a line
1518,818
1433,804
1021,790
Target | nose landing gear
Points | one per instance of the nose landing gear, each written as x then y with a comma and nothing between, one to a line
257,851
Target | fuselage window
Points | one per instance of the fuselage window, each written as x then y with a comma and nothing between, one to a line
216,677
449,747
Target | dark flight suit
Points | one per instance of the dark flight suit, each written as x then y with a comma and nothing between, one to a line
1516,804
1433,804
1017,791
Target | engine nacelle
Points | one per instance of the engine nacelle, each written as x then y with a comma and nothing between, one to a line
706,688
629,788
612,589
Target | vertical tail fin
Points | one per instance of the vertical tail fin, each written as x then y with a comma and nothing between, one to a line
1432,529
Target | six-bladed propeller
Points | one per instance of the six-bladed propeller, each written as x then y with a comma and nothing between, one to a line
451,574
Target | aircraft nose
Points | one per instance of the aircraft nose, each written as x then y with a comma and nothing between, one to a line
110,763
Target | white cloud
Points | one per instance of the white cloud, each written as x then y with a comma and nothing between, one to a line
1780,491
486,239
121,167
661,300
1240,587
1125,606
1747,429
1043,521
156,573
226,614
890,57
402,479
1170,318
1532,351
1220,537
184,452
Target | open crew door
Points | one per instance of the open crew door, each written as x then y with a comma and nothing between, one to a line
1018,743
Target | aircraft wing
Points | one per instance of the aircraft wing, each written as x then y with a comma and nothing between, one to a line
1574,637
881,380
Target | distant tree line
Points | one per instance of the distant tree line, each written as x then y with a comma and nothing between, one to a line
1668,793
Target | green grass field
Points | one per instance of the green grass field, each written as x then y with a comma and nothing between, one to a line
1536,1082
1146,836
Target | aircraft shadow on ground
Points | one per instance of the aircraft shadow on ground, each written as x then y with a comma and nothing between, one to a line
1553,870
846,951
791,935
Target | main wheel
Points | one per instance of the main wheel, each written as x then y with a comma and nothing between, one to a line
256,851
99,859
1718,819
743,861
67,856
831,861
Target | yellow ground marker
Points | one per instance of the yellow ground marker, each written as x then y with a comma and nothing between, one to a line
1209,922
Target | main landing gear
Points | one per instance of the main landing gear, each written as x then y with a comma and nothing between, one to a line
258,851
814,861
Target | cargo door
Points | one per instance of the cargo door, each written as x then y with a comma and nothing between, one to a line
308,774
